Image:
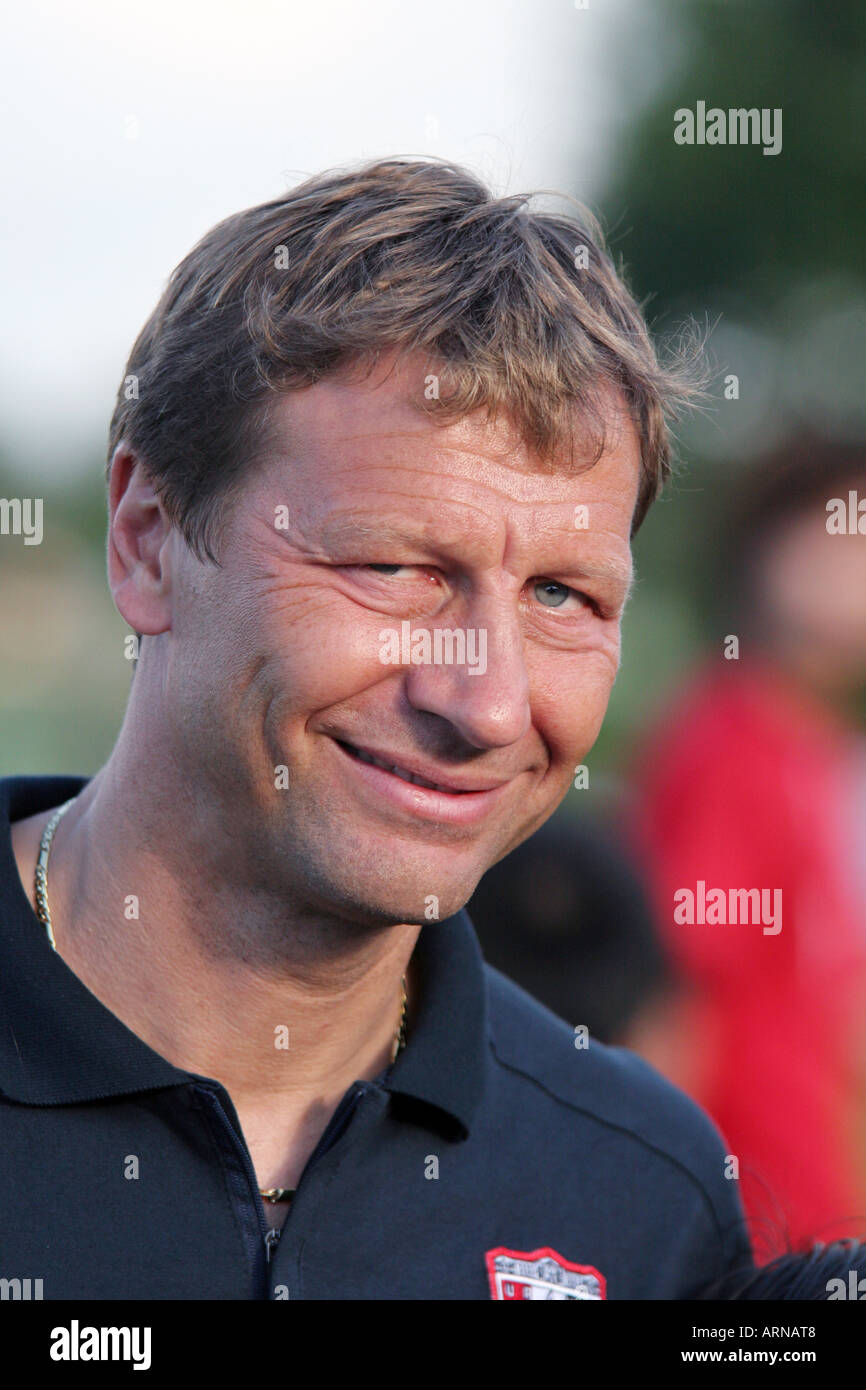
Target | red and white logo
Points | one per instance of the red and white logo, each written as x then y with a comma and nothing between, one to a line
520,1275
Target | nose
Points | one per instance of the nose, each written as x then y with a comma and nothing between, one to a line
475,676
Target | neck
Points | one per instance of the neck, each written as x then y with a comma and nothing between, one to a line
281,1003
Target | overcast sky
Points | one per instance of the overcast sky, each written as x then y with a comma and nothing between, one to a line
129,130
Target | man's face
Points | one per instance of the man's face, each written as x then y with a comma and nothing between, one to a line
293,653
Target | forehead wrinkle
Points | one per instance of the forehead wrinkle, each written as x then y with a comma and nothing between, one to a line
500,441
520,468
352,523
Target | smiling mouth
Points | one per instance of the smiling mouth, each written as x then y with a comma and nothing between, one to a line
403,773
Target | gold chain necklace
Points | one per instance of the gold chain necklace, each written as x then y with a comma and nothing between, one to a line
43,912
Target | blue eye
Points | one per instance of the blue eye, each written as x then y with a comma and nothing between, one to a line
551,594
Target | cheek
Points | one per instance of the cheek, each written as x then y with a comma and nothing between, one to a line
317,646
570,700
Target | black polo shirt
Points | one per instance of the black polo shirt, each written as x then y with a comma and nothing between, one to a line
495,1159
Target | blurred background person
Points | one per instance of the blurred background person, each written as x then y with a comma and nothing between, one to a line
566,916
754,777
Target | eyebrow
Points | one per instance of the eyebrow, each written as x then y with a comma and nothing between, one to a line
613,572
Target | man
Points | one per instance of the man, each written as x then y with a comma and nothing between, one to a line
373,472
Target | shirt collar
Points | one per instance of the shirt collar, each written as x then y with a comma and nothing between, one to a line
59,1044
443,1062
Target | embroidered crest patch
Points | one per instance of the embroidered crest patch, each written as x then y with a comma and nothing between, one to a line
520,1274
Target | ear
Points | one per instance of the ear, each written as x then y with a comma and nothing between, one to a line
139,531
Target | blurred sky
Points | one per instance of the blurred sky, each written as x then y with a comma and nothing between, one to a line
132,129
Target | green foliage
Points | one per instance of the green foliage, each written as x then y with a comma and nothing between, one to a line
727,228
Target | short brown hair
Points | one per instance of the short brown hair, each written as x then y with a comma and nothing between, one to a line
524,310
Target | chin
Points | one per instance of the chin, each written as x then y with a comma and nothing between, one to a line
415,909
383,880
410,899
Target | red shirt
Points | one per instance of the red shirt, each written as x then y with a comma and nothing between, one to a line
747,785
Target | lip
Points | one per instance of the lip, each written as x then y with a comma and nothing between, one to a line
463,805
446,781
